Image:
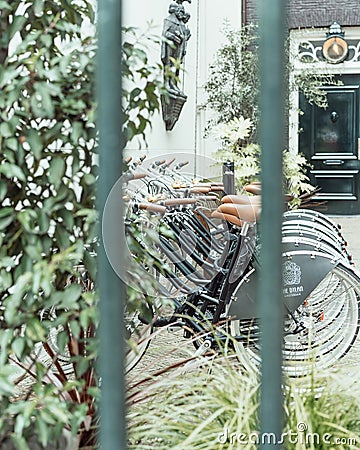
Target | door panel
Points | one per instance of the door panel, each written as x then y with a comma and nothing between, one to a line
340,184
334,132
329,139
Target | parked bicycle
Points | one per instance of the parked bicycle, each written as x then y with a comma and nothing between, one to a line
205,247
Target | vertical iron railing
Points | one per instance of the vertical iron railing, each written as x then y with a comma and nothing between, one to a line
270,297
112,293
111,288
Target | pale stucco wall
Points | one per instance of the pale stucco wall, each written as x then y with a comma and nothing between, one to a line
207,18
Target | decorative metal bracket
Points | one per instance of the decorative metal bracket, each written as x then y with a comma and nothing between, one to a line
175,36
310,51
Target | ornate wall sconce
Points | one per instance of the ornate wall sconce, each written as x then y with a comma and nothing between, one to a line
335,48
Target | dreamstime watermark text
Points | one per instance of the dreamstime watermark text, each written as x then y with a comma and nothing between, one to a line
299,436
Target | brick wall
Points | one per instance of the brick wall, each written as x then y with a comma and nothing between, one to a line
315,13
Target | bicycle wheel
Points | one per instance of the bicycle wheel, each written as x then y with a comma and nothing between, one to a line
330,316
138,338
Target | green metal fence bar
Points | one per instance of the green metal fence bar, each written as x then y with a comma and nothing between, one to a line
112,292
270,287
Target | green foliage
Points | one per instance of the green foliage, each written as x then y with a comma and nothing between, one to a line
246,163
232,90
213,405
142,83
232,86
48,220
295,178
191,410
246,158
233,83
327,411
310,85
47,185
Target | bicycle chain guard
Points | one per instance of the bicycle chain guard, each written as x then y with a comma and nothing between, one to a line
302,273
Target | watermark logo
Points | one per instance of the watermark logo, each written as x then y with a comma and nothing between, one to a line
301,435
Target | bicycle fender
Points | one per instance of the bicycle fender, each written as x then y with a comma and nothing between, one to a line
302,273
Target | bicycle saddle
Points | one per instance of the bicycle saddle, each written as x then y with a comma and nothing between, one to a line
237,214
247,213
242,199
228,218
255,188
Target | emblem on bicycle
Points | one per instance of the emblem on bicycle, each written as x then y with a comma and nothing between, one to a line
291,273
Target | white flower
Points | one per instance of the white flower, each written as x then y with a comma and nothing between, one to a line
220,131
238,128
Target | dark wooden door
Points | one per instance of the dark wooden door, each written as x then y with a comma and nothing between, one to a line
329,138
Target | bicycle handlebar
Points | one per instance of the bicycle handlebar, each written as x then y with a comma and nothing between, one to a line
179,201
200,190
157,163
206,197
138,161
181,164
153,208
136,176
168,164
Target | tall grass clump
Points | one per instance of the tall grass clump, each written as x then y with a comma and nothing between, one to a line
215,406
326,415
192,409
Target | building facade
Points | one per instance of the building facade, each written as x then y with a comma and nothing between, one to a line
205,24
313,13
329,138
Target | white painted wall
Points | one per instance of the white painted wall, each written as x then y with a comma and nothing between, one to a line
205,24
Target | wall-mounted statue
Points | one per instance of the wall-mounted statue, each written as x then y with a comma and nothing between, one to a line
175,37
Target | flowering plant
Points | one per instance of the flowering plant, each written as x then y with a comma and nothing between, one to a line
233,131
246,157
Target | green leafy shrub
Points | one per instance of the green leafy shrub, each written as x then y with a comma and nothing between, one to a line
232,90
49,224
142,83
214,405
48,220
246,158
233,83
